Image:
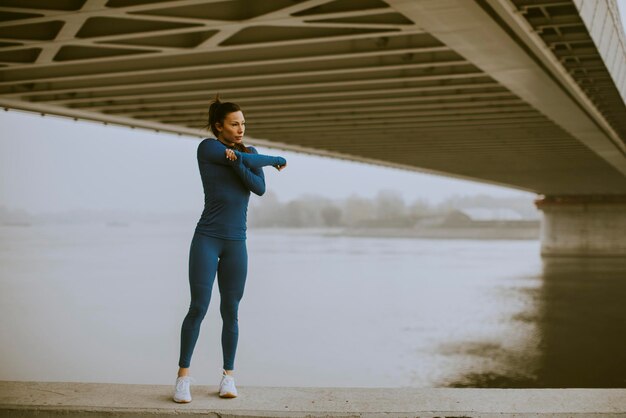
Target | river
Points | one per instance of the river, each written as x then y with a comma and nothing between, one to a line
98,303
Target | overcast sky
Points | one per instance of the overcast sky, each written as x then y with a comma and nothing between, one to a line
54,164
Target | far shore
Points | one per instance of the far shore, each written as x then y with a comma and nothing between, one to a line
510,232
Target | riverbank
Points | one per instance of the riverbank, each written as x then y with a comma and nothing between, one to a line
54,399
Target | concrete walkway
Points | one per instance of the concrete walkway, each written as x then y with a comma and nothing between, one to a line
40,399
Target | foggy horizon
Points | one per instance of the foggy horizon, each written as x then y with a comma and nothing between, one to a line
86,165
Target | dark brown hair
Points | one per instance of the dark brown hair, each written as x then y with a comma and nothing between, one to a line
218,111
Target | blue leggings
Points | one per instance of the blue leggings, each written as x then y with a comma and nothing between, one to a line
229,259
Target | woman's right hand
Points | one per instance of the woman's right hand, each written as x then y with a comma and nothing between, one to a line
230,154
280,167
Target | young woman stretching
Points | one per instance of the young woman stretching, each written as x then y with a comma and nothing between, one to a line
229,172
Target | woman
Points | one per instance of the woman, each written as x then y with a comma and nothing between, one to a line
229,172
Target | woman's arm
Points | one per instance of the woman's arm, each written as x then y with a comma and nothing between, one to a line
253,178
212,151
257,160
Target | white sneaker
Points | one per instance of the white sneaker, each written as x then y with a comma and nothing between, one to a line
227,387
182,394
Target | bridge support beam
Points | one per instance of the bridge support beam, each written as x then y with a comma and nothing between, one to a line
592,225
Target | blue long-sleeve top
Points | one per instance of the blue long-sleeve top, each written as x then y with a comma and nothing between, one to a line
227,185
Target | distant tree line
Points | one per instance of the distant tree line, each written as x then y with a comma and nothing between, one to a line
386,209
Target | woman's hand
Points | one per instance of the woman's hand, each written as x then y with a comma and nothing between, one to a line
230,154
280,167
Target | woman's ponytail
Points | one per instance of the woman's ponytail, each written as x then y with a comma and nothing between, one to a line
213,113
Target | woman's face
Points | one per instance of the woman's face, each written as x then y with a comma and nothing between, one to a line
233,128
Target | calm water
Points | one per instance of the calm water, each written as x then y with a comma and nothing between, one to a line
105,304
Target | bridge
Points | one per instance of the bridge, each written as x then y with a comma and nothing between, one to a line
527,94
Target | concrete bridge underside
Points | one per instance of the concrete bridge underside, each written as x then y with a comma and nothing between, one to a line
522,93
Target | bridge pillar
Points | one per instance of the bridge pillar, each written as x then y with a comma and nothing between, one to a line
586,225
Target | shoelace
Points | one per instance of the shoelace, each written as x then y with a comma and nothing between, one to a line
181,383
228,382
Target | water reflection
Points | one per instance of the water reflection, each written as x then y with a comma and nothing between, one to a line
101,304
579,318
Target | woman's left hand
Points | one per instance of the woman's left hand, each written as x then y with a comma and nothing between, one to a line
280,167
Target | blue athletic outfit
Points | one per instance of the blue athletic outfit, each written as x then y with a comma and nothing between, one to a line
219,241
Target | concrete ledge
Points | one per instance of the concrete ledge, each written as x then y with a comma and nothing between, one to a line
55,399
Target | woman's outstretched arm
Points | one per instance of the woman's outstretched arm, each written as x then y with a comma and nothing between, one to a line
213,151
252,177
257,160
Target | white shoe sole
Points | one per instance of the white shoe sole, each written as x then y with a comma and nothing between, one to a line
182,400
228,395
